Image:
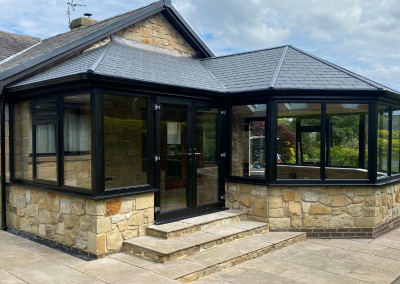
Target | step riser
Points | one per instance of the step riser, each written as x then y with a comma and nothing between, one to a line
196,228
161,258
238,260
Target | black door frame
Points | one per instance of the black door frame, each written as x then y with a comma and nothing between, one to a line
191,168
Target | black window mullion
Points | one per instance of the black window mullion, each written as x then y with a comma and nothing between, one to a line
322,135
390,143
97,125
60,142
373,141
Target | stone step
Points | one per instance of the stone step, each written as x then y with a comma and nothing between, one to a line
211,261
167,250
196,224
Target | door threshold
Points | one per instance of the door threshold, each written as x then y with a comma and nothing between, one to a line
183,217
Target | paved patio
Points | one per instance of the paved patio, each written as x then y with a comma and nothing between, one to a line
24,260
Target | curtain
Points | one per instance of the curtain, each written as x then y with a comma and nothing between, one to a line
76,130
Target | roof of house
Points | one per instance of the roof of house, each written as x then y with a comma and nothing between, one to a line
11,44
284,67
62,45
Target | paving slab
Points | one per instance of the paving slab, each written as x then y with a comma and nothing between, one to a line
369,248
7,278
199,220
386,243
329,278
372,275
31,266
394,267
57,274
369,260
162,246
171,227
390,253
200,238
132,259
211,280
232,212
276,237
225,231
176,269
323,263
214,256
253,276
321,249
16,257
146,278
249,225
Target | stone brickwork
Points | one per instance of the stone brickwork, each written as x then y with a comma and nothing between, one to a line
157,31
319,209
91,227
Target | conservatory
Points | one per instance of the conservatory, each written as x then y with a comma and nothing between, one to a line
121,129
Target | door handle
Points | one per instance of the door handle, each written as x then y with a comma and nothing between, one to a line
198,153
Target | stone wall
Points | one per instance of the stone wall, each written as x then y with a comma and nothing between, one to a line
156,30
90,227
346,211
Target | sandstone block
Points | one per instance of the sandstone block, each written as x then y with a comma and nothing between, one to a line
292,208
20,200
69,238
35,196
86,223
364,191
369,212
338,210
324,199
232,196
260,207
318,209
357,200
340,201
275,202
56,206
130,234
42,203
365,222
275,192
296,222
279,223
322,222
136,219
247,201
114,240
341,221
117,218
127,205
44,216
369,200
101,225
355,210
144,201
245,188
310,196
80,243
68,221
96,208
306,206
276,213
21,211
42,230
65,206
333,191
49,204
77,208
60,230
288,196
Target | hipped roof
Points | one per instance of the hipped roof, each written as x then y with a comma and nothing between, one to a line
284,67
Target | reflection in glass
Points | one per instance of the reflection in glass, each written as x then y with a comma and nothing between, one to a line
125,135
45,108
248,140
22,141
173,157
46,163
395,141
298,141
383,140
347,137
77,141
207,159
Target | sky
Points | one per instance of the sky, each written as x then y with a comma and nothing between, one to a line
360,35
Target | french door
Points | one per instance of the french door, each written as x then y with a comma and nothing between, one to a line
188,157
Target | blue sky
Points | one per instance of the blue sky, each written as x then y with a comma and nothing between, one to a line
360,35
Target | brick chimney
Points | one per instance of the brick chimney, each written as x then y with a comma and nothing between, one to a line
81,22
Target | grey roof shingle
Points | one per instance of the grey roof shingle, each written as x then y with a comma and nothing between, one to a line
11,43
54,42
136,64
246,71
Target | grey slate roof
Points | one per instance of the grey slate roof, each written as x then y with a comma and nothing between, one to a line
137,64
11,43
247,71
278,68
54,42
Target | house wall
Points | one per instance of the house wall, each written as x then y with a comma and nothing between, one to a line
346,211
90,227
156,30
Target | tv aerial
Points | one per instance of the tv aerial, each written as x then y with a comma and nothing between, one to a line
72,6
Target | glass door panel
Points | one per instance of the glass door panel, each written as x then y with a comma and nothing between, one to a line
173,157
206,155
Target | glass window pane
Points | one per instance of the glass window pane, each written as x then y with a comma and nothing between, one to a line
395,141
125,140
383,140
46,108
77,141
347,141
248,140
207,161
299,141
22,141
46,162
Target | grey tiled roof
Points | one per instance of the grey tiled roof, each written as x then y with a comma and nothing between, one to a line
11,43
136,64
54,42
246,71
301,71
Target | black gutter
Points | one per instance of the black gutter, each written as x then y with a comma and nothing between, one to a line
3,162
43,60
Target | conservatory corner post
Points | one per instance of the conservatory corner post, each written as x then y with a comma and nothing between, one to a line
323,131
3,161
373,142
